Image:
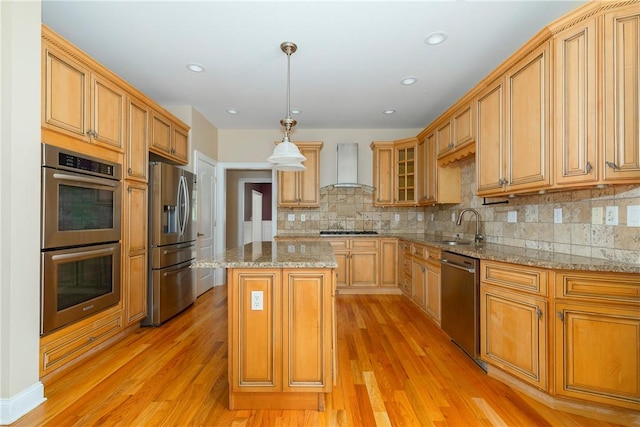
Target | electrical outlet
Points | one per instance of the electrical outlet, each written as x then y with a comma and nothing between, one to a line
396,217
512,216
291,248
420,217
557,215
453,217
611,215
303,217
633,216
291,217
432,217
597,215
256,300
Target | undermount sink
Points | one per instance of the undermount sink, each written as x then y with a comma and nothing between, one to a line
455,242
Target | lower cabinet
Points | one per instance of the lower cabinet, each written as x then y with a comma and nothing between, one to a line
419,282
281,338
134,252
432,303
597,338
425,279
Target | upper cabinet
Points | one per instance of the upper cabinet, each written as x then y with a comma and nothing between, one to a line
302,189
457,130
383,172
621,76
84,102
436,184
79,102
406,180
513,116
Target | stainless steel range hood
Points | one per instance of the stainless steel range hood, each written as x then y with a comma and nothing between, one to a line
347,165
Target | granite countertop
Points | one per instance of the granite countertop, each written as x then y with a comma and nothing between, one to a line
503,253
276,254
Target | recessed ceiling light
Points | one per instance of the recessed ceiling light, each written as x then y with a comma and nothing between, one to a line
196,68
388,111
295,111
436,38
408,80
232,110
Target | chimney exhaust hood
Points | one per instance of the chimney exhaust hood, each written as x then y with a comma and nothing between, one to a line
347,165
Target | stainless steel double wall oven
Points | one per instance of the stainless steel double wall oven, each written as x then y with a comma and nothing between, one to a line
80,249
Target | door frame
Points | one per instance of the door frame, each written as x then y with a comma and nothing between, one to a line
241,183
218,273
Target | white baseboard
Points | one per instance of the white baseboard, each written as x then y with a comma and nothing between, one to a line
15,407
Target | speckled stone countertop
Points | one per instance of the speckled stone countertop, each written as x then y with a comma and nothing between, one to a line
277,254
504,253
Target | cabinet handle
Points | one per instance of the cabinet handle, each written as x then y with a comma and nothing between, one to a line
588,167
561,316
613,166
422,268
538,313
129,171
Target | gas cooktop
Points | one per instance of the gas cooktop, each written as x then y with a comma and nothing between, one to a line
347,232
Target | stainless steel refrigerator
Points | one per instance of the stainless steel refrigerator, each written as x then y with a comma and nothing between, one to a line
171,242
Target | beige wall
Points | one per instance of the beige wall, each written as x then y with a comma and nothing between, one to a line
20,388
256,145
232,201
203,136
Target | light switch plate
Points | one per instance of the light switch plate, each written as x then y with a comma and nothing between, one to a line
420,217
396,217
633,216
453,217
557,216
291,217
303,217
512,216
597,215
611,215
432,217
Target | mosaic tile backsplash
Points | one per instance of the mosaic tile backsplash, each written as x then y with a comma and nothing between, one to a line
352,209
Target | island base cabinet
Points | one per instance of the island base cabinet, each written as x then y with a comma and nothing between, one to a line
598,354
281,339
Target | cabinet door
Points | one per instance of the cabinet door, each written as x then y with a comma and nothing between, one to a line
622,95
135,283
309,179
160,134
432,301
383,175
66,93
306,330
137,158
406,179
107,112
463,123
419,283
597,353
490,146
135,252
255,335
388,263
364,269
287,188
136,235
527,122
444,136
513,334
180,145
342,278
427,156
576,120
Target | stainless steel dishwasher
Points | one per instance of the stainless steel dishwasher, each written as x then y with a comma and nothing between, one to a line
461,302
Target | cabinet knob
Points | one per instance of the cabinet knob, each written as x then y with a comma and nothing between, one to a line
588,167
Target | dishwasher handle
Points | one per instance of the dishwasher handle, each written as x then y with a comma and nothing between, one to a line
458,266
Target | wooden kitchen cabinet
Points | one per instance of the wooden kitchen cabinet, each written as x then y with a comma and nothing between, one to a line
425,279
383,173
388,263
136,152
406,172
436,184
281,355
169,139
434,286
456,131
513,119
404,267
302,189
78,101
514,320
358,265
135,252
621,74
419,282
597,337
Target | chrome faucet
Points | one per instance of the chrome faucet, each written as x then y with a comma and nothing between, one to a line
478,237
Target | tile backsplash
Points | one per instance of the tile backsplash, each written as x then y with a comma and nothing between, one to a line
535,228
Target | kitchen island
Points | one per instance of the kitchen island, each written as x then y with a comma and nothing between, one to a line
281,323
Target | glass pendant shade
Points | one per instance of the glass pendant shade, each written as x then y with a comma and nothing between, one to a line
286,152
290,167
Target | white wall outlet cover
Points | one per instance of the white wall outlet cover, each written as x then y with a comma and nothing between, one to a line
420,217
633,216
396,217
453,217
557,215
611,215
432,217
597,215
257,300
512,216
291,217
303,217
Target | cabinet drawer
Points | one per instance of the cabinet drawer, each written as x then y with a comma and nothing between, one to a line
364,244
339,244
72,345
419,251
434,253
605,287
513,276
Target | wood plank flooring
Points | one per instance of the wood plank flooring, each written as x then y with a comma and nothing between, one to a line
396,368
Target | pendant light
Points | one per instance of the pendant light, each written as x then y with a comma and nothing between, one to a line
286,154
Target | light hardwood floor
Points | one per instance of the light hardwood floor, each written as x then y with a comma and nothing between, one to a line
395,368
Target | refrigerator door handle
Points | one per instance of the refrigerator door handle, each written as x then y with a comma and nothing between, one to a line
185,196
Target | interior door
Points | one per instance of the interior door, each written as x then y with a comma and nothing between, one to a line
205,202
256,216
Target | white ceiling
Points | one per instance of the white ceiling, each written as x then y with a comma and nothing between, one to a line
350,60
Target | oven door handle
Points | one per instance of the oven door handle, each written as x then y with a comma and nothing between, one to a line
106,251
88,180
459,267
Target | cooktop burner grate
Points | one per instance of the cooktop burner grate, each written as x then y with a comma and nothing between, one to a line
348,232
